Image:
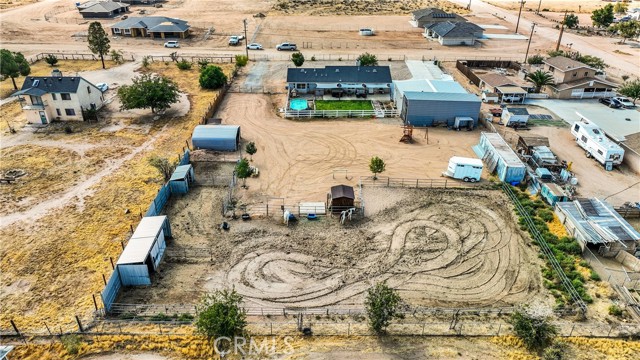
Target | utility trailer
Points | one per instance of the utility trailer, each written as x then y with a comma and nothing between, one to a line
466,169
596,143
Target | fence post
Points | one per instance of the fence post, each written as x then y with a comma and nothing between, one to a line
417,183
423,325
111,260
271,329
499,327
17,331
348,329
79,324
46,326
610,330
104,279
571,332
95,303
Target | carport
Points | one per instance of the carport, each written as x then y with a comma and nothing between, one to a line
512,92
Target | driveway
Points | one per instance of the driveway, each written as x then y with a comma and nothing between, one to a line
617,123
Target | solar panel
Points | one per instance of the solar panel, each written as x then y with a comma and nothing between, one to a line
443,16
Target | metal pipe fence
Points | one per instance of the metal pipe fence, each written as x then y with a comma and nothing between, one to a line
419,183
288,113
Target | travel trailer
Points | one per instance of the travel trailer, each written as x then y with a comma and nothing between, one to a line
596,144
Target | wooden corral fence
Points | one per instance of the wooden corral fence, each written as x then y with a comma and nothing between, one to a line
288,113
419,183
213,106
277,210
628,212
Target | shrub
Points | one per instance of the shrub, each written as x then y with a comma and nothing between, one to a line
68,129
203,63
546,215
615,310
313,58
51,59
185,317
212,77
146,61
557,351
160,317
382,303
71,343
536,332
241,60
535,59
297,58
594,276
367,59
183,65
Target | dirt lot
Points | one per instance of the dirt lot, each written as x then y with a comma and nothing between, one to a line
552,5
345,7
472,258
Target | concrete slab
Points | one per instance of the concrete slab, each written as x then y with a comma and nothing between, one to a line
497,27
425,70
505,37
613,121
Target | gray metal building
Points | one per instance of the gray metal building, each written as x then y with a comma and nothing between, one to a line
432,108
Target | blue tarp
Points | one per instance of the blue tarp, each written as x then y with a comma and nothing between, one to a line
216,137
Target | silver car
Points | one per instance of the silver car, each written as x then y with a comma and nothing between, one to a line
626,103
254,46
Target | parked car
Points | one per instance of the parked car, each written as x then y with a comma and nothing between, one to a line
626,103
610,102
234,40
254,46
287,46
171,44
102,86
511,98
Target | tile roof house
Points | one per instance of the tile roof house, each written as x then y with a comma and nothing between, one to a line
454,33
157,27
57,97
102,9
573,79
429,16
319,81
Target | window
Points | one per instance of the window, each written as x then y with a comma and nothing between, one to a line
89,89
575,74
586,73
301,86
53,96
65,96
584,139
58,112
70,112
576,127
600,152
127,31
116,31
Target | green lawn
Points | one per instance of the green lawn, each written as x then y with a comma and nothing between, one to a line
343,105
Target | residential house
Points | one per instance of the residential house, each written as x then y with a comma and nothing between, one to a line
142,2
344,79
157,27
573,79
508,89
57,97
454,33
429,16
102,9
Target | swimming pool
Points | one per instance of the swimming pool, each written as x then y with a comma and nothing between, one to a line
298,104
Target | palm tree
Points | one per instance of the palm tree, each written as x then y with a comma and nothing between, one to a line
540,78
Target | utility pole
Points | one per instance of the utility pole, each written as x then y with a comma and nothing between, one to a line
538,11
519,13
469,6
526,55
246,48
564,19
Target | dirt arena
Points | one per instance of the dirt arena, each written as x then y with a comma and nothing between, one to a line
418,240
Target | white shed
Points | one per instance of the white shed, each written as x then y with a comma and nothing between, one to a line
141,257
515,116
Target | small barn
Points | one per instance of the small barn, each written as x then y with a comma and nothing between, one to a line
515,116
216,137
142,255
182,179
432,108
341,198
499,157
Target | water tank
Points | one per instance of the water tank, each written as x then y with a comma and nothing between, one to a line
573,181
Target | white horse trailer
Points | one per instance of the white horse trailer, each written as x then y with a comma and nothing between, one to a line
596,144
467,169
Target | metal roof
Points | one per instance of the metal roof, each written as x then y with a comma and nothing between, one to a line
34,85
342,191
142,240
340,74
511,90
518,111
502,149
4,350
438,96
103,6
153,24
597,221
426,85
216,131
455,29
181,172
466,161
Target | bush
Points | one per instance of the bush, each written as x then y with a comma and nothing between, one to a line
367,59
535,59
203,63
615,310
51,59
241,60
160,317
313,58
183,65
546,215
212,77
536,332
297,58
71,343
146,61
557,351
594,276
185,317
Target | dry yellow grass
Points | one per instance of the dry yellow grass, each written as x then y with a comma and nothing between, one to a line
556,227
11,115
58,261
41,68
362,7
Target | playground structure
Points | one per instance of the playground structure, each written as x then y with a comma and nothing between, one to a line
407,134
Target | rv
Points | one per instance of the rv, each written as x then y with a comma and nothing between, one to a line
467,169
596,144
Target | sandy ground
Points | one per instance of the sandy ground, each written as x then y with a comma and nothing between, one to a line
553,5
418,241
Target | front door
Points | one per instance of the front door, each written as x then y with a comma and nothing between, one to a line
43,117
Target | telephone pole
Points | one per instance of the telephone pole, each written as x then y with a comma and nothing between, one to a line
526,55
246,48
538,11
469,6
519,13
564,19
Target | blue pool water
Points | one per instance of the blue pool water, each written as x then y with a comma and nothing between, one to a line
298,104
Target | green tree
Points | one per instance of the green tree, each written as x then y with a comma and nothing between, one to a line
627,29
535,59
51,59
212,77
602,17
536,332
164,166
241,60
116,56
251,149
367,59
571,21
539,78
620,8
98,41
377,166
148,91
382,305
297,58
13,65
243,171
593,61
220,315
631,89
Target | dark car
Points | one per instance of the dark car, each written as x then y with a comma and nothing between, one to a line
610,102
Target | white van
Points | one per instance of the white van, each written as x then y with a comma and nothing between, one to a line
467,169
171,44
